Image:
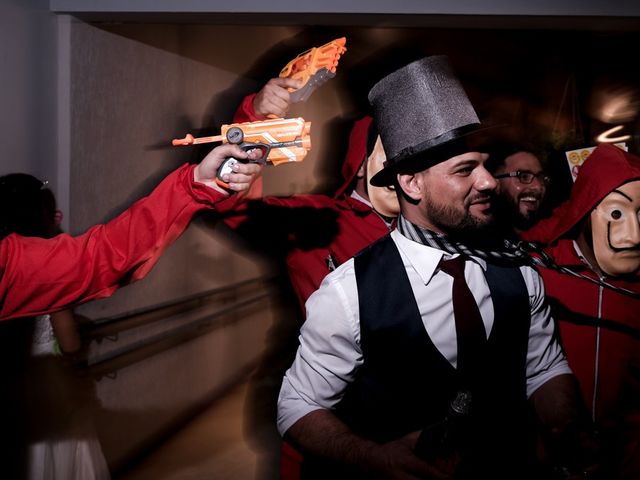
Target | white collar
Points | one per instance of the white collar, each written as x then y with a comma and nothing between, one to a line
424,259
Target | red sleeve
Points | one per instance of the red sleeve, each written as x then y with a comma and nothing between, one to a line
245,112
38,276
307,280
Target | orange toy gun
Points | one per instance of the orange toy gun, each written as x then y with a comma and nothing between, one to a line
314,67
279,140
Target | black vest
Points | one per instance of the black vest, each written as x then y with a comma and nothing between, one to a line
405,384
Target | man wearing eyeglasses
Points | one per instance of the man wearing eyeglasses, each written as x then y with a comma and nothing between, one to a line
522,185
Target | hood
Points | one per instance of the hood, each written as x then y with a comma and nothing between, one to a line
606,168
356,153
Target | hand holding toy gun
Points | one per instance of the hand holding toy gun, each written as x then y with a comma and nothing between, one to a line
279,140
313,67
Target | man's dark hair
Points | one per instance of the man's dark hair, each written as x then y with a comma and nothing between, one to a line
501,149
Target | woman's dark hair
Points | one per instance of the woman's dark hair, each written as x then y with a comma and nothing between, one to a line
27,207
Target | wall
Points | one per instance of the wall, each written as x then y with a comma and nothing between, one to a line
133,89
28,88
92,112
360,7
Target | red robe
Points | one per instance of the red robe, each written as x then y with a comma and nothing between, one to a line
40,276
600,328
313,231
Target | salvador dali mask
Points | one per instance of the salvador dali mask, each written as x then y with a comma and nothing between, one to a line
615,228
383,199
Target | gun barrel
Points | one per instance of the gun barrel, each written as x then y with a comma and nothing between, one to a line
288,139
191,140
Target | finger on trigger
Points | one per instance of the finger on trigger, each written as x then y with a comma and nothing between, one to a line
254,153
239,152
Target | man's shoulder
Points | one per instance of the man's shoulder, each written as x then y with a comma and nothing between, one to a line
340,283
341,274
376,246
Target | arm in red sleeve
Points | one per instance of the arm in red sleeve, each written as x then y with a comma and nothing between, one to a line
38,276
245,112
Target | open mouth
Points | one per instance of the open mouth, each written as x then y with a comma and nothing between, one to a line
529,198
529,201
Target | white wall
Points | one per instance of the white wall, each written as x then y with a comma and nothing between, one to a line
28,88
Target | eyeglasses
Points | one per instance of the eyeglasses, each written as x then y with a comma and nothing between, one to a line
525,176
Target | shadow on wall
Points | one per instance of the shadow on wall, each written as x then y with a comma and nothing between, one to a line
274,231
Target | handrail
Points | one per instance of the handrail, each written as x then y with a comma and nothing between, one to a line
117,358
94,323
100,363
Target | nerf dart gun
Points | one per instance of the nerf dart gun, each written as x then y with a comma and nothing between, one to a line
313,68
279,140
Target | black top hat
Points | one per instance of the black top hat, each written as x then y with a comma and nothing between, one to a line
423,116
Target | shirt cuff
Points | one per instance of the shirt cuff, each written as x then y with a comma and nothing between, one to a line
535,382
291,407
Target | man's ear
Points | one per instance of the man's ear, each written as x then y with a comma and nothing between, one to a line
362,170
411,185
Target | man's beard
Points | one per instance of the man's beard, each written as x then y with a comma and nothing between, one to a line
524,221
457,223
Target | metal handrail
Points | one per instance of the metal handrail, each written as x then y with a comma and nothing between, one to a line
108,362
94,323
185,332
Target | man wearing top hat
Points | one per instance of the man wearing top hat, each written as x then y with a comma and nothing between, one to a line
429,329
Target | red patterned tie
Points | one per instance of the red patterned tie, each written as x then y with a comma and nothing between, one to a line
470,330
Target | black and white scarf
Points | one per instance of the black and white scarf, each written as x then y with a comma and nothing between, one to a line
508,253
505,253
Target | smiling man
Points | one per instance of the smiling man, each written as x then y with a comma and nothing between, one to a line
422,322
522,185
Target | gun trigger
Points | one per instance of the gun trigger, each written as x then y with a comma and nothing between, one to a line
263,147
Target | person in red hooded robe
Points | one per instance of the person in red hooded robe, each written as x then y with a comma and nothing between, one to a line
316,233
596,233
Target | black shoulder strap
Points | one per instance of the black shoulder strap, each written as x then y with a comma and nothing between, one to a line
508,291
510,332
384,292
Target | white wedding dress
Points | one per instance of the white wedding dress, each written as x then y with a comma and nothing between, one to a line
65,445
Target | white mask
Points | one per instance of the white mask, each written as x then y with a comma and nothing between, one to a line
383,199
615,229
